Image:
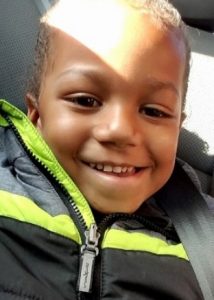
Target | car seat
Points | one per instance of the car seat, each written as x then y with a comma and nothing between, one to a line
196,144
18,28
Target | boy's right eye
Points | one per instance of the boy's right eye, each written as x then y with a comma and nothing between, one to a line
86,101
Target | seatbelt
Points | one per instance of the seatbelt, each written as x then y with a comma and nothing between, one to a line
212,184
194,224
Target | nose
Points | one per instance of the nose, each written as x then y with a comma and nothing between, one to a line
118,127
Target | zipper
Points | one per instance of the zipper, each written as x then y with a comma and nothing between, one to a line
94,236
110,219
90,237
89,251
60,189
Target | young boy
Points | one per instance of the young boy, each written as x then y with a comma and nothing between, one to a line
106,104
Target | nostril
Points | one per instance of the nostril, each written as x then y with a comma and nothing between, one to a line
116,133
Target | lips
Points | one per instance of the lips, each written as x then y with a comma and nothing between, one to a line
115,169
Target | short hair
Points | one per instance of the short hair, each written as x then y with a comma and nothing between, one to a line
163,13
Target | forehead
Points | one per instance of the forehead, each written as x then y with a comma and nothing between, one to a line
96,23
104,26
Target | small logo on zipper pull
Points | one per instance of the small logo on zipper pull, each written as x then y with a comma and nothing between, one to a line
89,251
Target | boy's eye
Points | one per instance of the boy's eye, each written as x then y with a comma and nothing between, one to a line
84,101
154,112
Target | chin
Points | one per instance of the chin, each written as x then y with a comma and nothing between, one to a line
110,209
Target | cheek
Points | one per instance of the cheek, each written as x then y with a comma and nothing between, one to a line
64,134
163,152
164,145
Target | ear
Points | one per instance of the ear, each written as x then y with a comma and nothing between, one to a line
32,109
183,117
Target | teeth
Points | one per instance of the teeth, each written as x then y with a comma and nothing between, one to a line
124,169
130,169
109,168
117,169
99,166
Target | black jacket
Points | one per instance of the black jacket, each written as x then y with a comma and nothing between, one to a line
46,251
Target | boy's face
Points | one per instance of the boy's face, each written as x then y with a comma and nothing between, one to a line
110,109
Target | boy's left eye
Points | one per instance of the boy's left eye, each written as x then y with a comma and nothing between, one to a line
86,101
154,112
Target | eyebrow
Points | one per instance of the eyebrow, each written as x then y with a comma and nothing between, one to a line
89,73
79,70
102,80
157,85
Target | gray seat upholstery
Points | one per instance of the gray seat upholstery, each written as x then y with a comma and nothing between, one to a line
192,149
18,29
197,13
197,137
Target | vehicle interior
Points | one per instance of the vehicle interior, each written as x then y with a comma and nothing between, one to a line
18,29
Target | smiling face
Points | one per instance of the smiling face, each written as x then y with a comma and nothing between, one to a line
111,111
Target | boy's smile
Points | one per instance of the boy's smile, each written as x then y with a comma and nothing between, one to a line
111,112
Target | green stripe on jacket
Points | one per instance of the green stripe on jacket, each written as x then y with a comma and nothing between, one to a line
138,241
25,210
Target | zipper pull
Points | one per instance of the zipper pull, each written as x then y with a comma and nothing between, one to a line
88,253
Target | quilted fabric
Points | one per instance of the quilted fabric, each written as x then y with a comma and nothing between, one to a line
18,29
